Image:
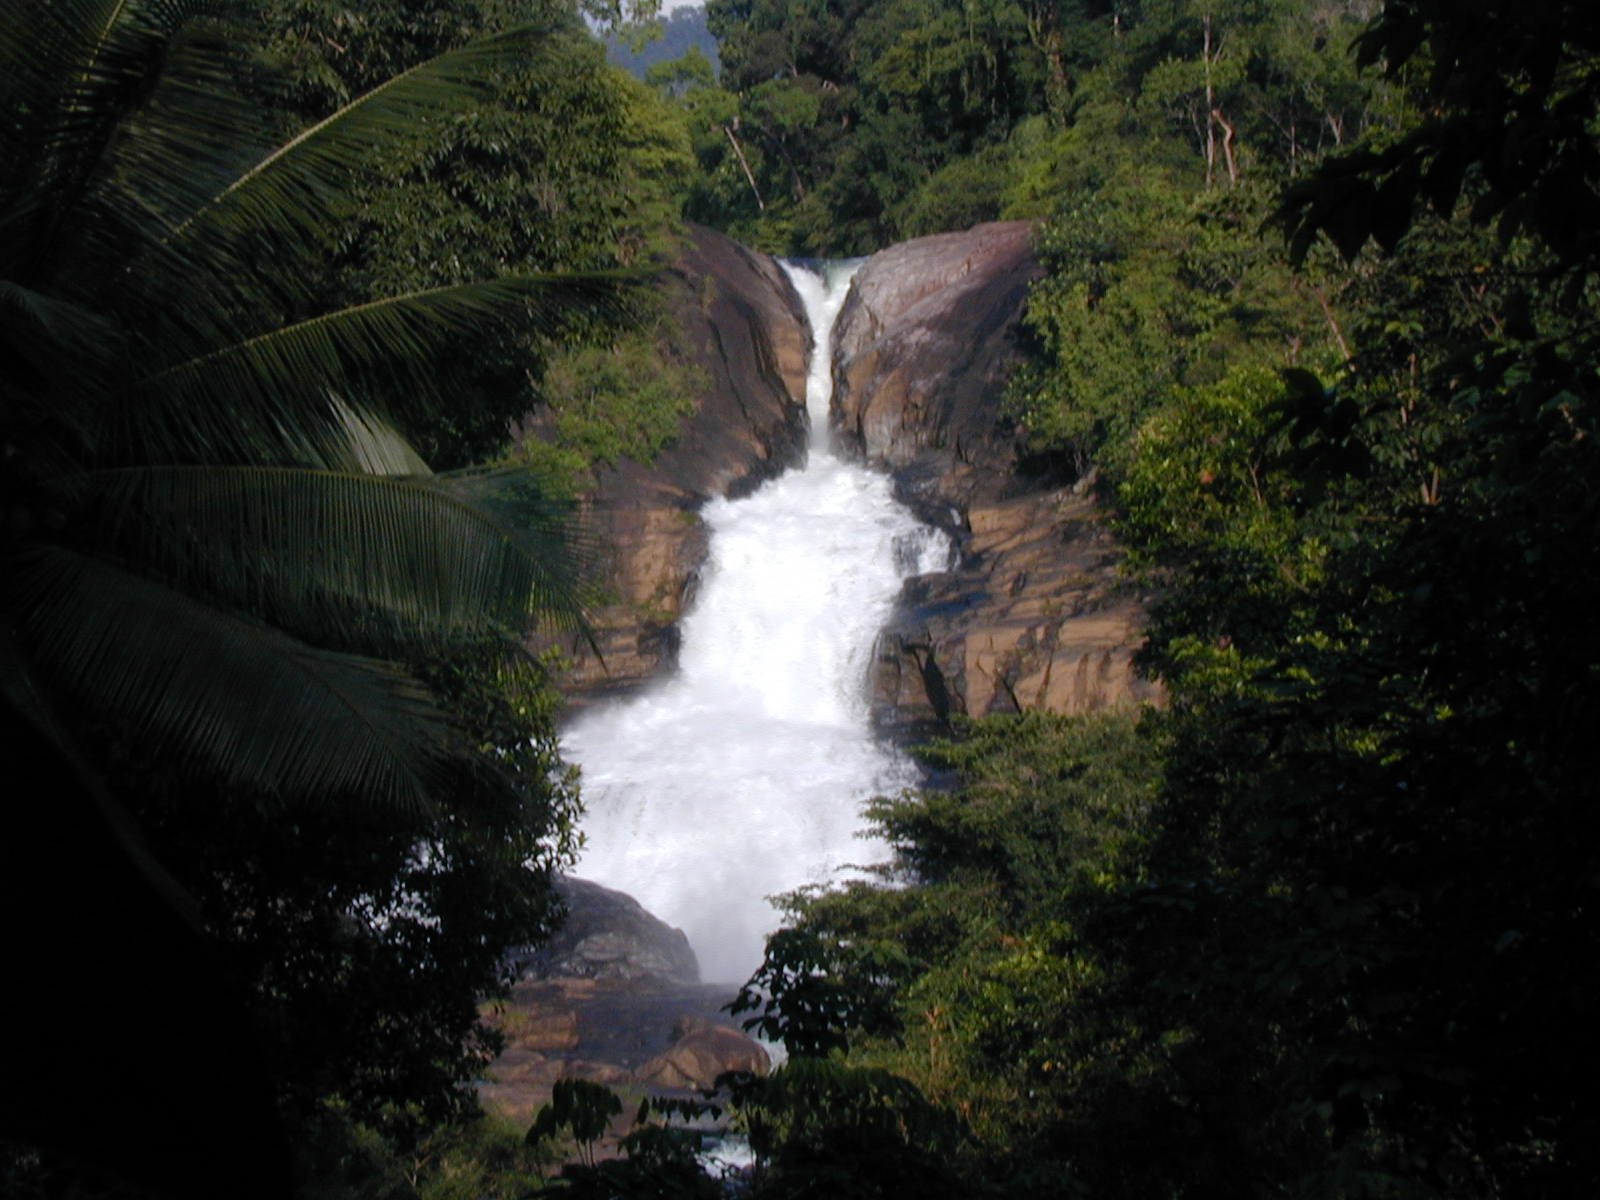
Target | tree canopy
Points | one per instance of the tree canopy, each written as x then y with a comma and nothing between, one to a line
1324,943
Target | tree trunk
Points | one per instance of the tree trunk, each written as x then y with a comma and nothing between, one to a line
1211,107
1227,146
739,153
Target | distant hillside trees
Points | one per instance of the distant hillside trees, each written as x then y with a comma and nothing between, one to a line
664,40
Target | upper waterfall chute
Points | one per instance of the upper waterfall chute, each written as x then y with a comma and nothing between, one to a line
823,289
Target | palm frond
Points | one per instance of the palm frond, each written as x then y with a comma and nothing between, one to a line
279,381
230,697
17,691
63,330
109,100
285,191
49,55
49,346
361,559
375,447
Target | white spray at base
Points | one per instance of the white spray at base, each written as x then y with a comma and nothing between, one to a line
744,774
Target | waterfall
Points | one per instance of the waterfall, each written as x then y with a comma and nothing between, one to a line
743,775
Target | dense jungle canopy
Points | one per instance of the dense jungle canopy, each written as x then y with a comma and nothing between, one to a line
1319,321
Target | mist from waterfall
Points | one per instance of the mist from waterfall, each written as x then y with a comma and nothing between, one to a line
743,775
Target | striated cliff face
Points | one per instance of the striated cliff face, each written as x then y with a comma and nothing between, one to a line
1035,616
743,325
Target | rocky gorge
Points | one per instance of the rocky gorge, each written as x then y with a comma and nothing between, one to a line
741,324
1033,616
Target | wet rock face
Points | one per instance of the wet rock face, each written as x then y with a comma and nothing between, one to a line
1036,616
641,1035
615,998
742,325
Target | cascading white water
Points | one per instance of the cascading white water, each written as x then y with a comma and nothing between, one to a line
743,775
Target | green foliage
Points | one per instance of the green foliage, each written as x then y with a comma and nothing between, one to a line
1318,946
919,117
1360,642
528,179
1161,277
582,1108
270,659
808,999
154,485
484,1158
626,399
1513,130
843,115
819,1127
658,1163
953,976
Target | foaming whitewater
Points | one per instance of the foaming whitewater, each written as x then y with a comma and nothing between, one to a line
743,776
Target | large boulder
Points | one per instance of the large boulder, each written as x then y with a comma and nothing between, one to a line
1036,616
702,1050
922,350
743,325
609,935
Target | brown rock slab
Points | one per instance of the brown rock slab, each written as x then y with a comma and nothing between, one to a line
1036,618
547,1028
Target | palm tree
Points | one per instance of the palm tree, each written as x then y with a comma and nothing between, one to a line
215,549
199,513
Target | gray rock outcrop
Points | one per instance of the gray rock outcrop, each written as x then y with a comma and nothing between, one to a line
922,350
609,935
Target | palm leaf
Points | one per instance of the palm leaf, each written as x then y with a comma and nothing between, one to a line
363,559
286,190
107,100
278,381
50,346
373,445
231,697
17,691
